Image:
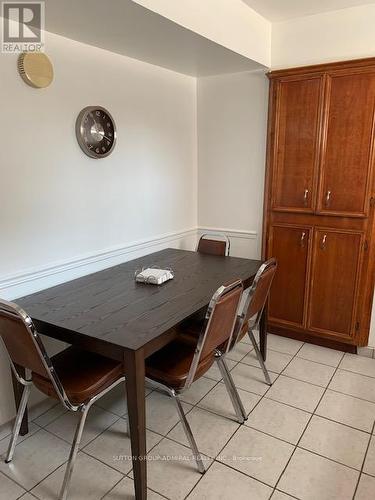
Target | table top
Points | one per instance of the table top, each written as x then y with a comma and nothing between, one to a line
110,307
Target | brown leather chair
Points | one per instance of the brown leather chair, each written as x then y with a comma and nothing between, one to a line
209,245
253,308
174,368
77,378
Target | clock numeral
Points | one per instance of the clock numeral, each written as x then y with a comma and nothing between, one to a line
110,134
103,149
108,124
90,146
97,150
97,113
108,143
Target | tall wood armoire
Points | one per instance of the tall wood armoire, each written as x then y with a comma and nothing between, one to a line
320,202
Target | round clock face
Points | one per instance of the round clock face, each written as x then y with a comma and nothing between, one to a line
96,131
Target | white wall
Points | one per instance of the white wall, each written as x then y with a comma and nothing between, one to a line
232,120
332,36
57,205
230,23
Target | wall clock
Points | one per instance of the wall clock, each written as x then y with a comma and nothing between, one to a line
96,132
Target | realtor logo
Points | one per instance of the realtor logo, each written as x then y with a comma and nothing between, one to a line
23,27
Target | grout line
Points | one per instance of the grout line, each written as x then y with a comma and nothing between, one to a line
363,462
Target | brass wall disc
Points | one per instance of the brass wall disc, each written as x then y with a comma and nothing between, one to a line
35,69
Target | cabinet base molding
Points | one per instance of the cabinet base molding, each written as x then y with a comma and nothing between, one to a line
312,339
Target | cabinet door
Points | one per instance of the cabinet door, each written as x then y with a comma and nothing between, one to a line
348,146
335,268
296,155
290,246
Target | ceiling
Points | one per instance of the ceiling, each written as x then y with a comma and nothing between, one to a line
281,10
129,29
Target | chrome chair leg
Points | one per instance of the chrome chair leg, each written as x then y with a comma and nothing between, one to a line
232,390
73,455
260,357
189,434
17,422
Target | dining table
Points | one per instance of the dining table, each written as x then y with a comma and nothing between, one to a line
109,313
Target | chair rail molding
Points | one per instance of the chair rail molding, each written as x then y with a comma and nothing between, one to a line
34,279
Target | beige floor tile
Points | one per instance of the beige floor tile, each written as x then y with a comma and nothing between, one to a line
172,470
218,401
4,443
9,490
347,410
278,495
358,364
276,361
249,378
256,454
211,431
51,415
114,401
35,458
366,488
222,483
214,372
124,490
91,480
335,441
198,390
369,466
295,393
42,407
311,477
353,384
321,354
283,344
279,420
97,421
28,496
161,412
113,446
5,430
239,351
310,371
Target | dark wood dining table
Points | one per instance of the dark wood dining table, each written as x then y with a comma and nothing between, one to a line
109,313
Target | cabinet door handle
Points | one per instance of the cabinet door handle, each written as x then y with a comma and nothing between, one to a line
305,197
303,237
328,198
323,242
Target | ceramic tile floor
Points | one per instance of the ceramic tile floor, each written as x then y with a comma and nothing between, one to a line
310,436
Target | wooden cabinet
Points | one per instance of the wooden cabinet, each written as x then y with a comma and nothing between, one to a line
291,245
297,134
336,260
347,154
319,202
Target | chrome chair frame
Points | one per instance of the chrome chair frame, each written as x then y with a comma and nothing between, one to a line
13,310
253,323
223,237
229,384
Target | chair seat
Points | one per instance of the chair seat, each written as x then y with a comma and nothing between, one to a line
83,374
170,366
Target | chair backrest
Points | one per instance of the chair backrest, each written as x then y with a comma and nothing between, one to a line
25,347
258,294
219,324
214,244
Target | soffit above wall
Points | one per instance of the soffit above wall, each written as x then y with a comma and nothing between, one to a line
126,28
281,10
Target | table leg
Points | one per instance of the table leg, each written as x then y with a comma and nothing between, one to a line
135,390
18,390
263,333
